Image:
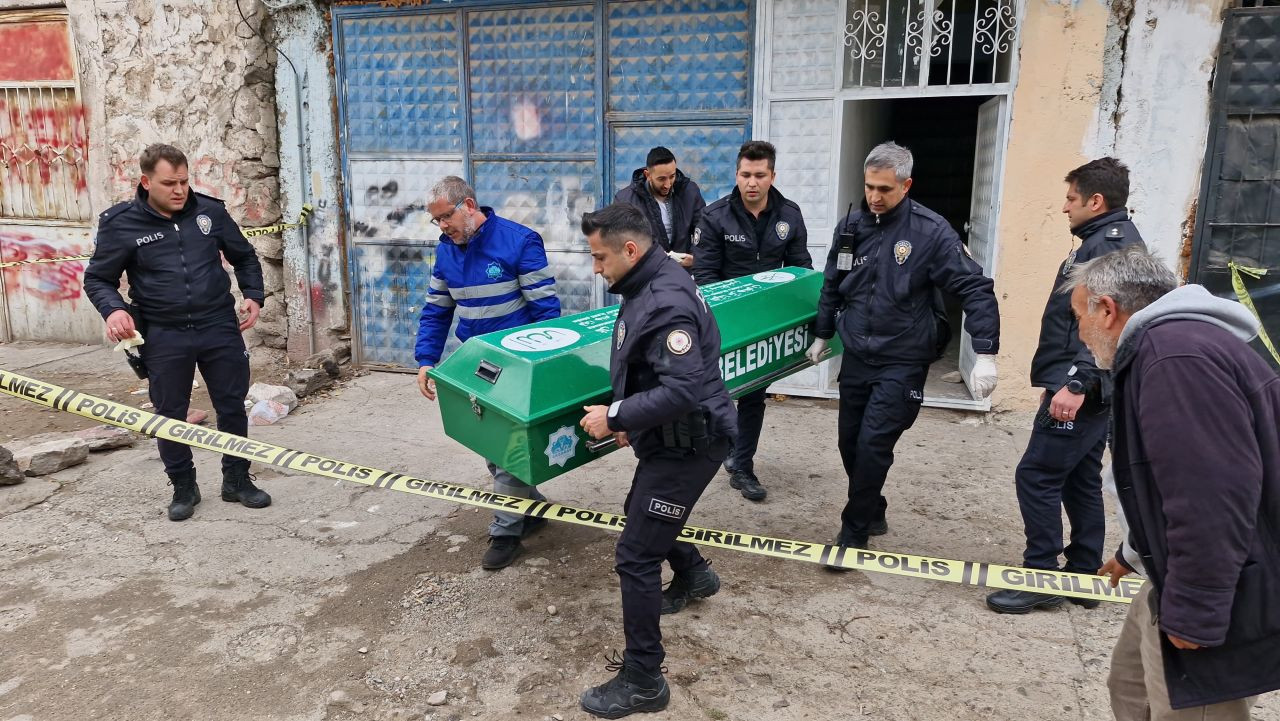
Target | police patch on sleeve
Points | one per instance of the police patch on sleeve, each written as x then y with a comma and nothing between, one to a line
622,333
679,342
697,235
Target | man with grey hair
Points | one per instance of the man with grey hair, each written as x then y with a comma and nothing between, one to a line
884,270
1196,457
492,273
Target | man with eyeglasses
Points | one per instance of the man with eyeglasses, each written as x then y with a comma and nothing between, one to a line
493,274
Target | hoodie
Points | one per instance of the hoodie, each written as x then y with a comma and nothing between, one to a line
1197,465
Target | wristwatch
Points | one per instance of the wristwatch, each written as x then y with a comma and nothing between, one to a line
1075,387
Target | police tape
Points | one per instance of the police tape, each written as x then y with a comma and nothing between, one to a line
248,233
970,573
278,227
1242,293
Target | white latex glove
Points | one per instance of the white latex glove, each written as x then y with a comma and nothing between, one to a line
983,379
815,352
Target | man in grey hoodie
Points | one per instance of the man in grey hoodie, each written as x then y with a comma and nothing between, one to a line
1197,465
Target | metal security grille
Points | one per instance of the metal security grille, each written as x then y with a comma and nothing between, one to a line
545,107
1238,223
43,138
902,43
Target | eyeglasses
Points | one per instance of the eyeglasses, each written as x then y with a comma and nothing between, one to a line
446,216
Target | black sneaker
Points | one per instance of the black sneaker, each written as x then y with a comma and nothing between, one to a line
1019,602
878,528
748,484
845,541
685,587
633,690
503,550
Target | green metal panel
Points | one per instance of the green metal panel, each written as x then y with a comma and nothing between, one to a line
516,396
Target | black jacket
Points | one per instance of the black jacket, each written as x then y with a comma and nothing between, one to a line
686,208
883,307
726,246
1196,453
174,264
1060,346
664,363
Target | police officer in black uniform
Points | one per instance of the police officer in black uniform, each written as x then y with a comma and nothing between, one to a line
670,405
1062,466
753,229
886,264
170,241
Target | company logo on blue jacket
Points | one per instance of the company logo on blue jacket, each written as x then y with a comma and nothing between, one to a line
494,271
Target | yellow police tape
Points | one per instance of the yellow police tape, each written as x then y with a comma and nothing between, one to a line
1242,293
988,575
249,233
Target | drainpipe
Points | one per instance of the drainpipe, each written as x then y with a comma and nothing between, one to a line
300,86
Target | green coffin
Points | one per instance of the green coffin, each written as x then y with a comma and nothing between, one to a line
515,397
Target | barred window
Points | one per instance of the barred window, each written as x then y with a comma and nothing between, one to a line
44,141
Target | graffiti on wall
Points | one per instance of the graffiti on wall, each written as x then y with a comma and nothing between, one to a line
49,283
211,176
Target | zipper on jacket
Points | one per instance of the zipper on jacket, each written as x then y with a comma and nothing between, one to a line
186,276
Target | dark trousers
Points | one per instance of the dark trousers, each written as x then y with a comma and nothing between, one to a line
663,491
750,420
877,404
1062,468
172,355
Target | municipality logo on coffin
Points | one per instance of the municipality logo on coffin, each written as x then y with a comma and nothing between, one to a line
562,446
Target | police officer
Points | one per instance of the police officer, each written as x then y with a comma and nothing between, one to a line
1062,465
670,405
752,229
170,241
886,264
492,273
670,201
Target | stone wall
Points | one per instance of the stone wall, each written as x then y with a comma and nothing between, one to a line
193,74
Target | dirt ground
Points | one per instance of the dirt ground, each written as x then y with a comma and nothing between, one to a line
347,602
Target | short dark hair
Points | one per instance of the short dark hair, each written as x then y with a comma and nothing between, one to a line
618,223
156,152
659,156
757,150
1107,177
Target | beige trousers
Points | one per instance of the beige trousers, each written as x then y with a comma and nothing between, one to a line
1138,691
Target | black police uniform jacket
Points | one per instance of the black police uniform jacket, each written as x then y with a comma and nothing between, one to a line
174,264
1060,346
726,246
686,208
883,307
664,361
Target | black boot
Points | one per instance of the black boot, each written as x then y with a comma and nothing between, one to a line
633,690
685,587
1019,602
844,539
748,485
237,487
186,494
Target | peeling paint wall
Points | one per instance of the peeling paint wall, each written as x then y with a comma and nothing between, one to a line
1059,86
315,262
185,72
1157,118
1128,78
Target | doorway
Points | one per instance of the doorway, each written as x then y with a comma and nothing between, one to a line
957,143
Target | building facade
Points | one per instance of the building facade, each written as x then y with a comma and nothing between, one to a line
547,107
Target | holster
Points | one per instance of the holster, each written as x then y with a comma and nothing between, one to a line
689,432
